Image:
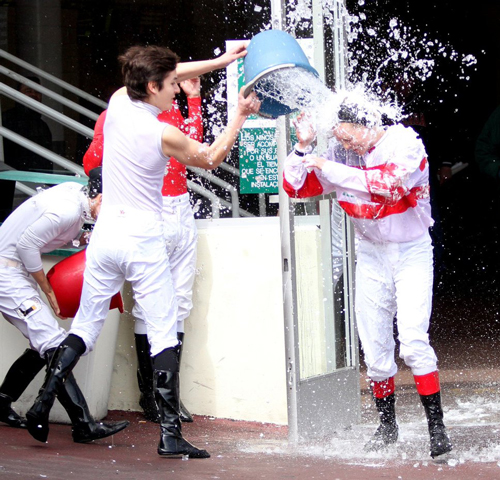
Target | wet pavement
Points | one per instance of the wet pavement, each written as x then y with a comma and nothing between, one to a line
465,335
248,450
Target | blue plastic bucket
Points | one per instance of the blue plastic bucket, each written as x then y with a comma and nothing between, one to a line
268,52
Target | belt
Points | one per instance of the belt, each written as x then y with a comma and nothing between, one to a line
5,262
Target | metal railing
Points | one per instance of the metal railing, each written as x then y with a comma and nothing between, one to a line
216,202
51,78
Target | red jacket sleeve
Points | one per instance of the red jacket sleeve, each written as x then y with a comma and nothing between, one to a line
193,126
93,155
311,187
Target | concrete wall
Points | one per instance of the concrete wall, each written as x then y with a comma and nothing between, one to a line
233,363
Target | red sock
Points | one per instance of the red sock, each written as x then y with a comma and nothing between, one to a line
384,388
427,384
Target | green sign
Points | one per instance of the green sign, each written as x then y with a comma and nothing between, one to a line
258,160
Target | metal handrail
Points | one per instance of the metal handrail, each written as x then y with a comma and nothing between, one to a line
221,183
51,78
45,110
229,168
49,93
214,199
42,151
87,132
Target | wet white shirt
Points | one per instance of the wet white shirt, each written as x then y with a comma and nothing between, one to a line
386,196
45,222
133,155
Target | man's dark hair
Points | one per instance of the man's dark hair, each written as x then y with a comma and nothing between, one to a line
359,114
350,113
141,65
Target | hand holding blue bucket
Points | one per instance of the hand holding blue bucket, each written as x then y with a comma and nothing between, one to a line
268,52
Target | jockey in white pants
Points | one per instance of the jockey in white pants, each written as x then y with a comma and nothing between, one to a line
128,243
386,195
50,220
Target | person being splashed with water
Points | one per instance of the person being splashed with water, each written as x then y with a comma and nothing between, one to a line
386,195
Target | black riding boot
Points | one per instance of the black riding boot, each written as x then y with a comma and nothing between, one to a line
145,379
167,397
183,412
85,428
19,376
440,443
61,365
387,432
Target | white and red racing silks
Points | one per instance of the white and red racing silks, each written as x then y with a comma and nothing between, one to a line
386,195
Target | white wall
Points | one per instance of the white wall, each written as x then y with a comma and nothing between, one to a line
233,363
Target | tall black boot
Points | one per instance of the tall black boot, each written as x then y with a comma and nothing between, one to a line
440,443
167,397
63,361
85,428
20,375
145,379
387,432
186,417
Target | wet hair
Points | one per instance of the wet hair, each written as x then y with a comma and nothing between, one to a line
141,65
94,187
351,112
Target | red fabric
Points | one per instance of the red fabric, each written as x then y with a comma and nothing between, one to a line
423,163
427,384
372,212
383,183
93,155
311,187
383,389
175,180
66,279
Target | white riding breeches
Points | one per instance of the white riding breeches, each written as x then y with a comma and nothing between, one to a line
395,280
128,244
22,306
181,236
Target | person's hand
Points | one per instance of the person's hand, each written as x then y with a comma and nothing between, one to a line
238,51
51,297
191,87
311,161
249,105
444,174
304,130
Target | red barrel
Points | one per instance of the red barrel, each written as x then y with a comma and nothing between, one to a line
66,278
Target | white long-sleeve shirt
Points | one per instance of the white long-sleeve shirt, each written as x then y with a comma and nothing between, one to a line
386,195
45,222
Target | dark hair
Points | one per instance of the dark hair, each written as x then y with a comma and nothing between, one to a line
95,182
141,65
351,112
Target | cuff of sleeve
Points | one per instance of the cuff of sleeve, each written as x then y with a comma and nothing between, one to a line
301,152
195,101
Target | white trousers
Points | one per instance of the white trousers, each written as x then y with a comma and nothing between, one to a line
395,279
128,244
181,236
22,306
